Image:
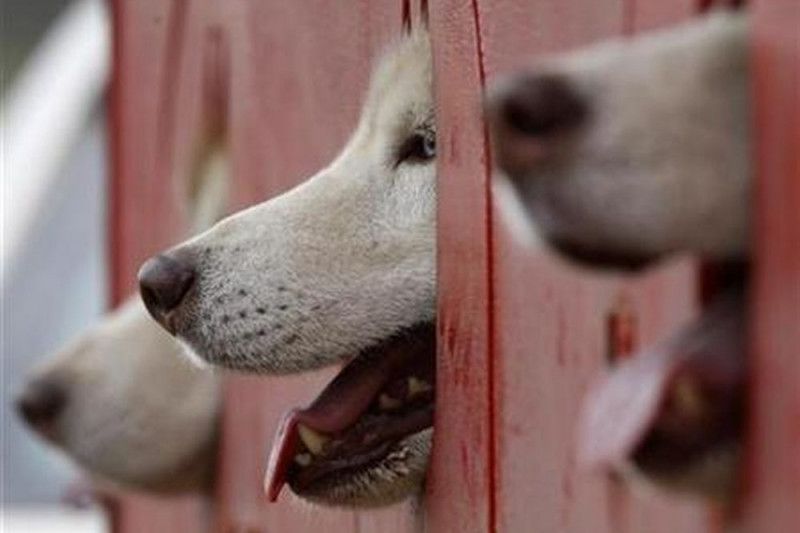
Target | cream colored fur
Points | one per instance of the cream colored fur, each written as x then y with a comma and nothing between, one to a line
337,264
662,162
137,415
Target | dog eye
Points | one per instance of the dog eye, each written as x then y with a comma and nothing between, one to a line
419,148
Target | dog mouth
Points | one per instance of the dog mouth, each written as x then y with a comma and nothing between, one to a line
379,399
598,257
677,410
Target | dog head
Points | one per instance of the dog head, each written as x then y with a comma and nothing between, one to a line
633,149
341,262
122,404
339,269
619,155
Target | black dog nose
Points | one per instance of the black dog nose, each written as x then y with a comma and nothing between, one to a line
539,105
164,280
41,403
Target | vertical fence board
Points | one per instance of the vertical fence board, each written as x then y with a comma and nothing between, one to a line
146,212
771,503
460,495
140,35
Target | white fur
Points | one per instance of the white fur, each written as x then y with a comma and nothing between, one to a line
662,163
136,413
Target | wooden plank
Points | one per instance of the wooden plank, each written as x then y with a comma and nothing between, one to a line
139,29
771,501
146,210
460,492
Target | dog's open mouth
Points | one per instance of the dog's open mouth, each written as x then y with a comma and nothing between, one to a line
381,397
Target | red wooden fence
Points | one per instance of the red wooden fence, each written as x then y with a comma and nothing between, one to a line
773,492
520,336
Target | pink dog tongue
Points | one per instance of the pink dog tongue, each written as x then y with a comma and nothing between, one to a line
618,411
338,407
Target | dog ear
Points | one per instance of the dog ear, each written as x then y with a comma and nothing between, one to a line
671,405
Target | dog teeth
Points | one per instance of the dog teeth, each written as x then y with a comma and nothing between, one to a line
303,459
399,455
314,441
387,403
417,386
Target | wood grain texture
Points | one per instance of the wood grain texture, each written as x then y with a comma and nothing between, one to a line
460,494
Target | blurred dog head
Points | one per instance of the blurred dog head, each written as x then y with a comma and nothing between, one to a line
618,155
633,149
126,408
675,411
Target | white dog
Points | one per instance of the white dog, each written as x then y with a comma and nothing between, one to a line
122,404
619,155
636,148
340,269
119,400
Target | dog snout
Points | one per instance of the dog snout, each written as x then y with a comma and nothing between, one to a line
164,281
40,404
539,105
527,112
